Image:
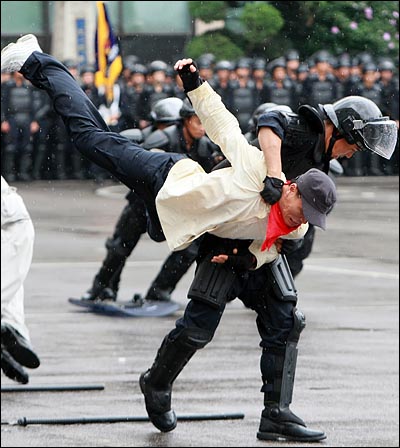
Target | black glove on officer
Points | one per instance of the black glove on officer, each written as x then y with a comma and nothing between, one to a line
190,80
241,262
272,191
290,246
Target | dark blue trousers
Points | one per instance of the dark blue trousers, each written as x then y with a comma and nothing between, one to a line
140,170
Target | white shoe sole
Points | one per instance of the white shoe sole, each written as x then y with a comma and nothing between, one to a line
14,55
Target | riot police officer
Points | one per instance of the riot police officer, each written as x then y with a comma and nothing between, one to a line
294,142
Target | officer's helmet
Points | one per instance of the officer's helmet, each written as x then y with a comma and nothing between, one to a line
157,66
187,110
386,64
166,110
360,122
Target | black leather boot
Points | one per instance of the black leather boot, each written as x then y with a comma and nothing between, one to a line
279,424
106,282
278,368
156,383
12,369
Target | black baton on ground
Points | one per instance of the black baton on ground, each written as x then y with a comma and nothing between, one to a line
84,420
52,388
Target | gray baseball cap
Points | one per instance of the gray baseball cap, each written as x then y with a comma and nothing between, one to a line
318,194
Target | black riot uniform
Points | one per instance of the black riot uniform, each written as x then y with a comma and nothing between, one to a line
19,111
269,290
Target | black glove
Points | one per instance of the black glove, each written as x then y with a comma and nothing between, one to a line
290,246
190,80
272,190
242,262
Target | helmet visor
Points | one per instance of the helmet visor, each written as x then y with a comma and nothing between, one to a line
378,136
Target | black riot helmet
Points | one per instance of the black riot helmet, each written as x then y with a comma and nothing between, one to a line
187,110
359,121
166,110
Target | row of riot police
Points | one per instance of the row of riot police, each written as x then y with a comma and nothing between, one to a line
35,145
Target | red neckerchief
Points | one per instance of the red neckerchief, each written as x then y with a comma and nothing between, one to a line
276,227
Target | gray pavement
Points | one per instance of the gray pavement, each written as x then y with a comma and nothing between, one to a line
347,381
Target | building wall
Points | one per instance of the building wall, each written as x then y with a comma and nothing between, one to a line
149,29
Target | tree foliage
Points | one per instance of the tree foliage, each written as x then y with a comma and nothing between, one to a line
338,26
208,11
342,26
215,42
261,23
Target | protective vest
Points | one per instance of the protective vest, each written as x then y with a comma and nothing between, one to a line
303,145
20,104
283,95
320,92
374,93
244,101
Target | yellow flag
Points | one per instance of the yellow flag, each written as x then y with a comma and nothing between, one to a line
107,52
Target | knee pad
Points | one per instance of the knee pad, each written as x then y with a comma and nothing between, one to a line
299,323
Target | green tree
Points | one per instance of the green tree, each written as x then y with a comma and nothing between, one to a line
215,42
261,22
208,11
341,26
249,28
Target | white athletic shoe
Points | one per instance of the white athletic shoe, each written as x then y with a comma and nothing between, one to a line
14,55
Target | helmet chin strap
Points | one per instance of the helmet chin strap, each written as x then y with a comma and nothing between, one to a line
328,154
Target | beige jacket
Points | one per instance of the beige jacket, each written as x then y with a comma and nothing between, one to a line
226,203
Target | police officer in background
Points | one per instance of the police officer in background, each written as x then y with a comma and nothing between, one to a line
292,143
320,87
132,222
18,126
155,89
244,93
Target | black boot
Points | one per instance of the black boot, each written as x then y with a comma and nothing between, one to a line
156,383
106,282
12,368
277,423
278,368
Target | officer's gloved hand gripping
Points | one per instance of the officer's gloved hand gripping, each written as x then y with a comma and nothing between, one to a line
189,74
272,191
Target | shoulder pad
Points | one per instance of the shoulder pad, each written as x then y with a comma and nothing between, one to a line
313,117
